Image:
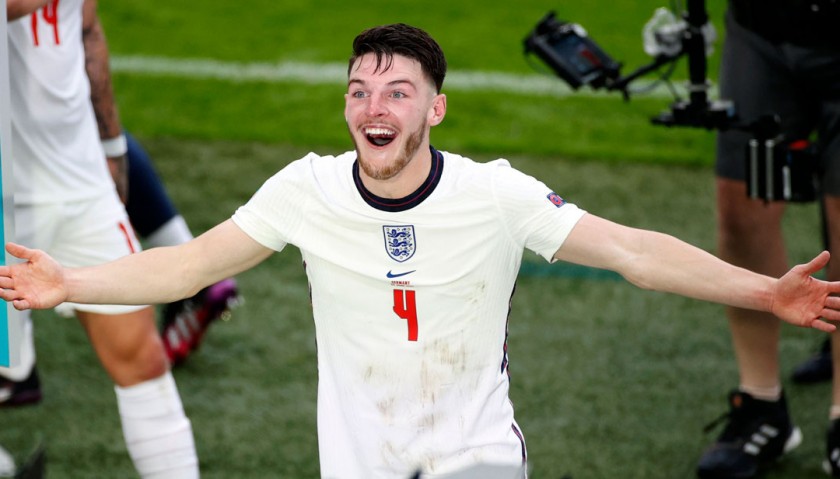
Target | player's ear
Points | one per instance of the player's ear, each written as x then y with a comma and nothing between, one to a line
438,110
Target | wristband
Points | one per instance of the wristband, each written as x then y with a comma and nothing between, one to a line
116,146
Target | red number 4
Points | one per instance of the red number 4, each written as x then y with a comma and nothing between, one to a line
406,307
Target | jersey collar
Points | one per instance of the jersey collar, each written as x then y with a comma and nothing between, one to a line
407,202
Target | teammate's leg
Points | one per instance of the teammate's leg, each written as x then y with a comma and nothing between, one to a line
20,385
153,214
158,434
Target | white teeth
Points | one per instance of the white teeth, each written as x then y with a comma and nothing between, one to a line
379,131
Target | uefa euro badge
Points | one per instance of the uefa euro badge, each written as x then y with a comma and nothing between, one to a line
399,242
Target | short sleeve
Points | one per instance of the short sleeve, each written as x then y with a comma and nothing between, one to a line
274,214
535,216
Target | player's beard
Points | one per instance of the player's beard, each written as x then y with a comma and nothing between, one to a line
403,158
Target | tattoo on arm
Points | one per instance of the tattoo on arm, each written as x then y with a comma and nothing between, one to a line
99,73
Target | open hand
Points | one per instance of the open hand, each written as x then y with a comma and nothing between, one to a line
37,283
802,300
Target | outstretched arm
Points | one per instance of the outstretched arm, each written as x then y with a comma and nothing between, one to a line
155,276
663,263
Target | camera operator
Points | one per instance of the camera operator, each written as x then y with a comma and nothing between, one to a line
780,57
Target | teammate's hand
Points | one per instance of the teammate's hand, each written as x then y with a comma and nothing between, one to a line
803,300
37,283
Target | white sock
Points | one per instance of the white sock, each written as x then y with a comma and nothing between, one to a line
157,433
834,412
172,233
771,394
27,354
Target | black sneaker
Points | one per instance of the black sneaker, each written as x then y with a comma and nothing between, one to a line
816,369
20,393
831,465
756,433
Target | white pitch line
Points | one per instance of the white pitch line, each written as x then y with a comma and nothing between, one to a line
336,73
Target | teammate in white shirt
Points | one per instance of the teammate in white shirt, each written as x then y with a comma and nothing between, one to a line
411,254
67,202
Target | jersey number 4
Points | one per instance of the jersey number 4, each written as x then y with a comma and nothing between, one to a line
406,308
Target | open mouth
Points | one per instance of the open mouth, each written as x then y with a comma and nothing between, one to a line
380,136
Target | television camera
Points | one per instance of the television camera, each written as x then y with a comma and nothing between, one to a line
778,168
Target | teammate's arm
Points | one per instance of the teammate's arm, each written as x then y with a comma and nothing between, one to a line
19,8
102,95
155,276
661,262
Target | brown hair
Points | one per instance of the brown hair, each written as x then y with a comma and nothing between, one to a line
401,39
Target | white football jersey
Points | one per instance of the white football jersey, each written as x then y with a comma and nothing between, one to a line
55,139
411,299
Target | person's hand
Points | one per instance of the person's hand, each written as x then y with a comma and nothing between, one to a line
801,299
37,283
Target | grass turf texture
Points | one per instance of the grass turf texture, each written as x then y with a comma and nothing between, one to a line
608,380
485,38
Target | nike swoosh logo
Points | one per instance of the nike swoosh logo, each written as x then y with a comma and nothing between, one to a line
397,275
